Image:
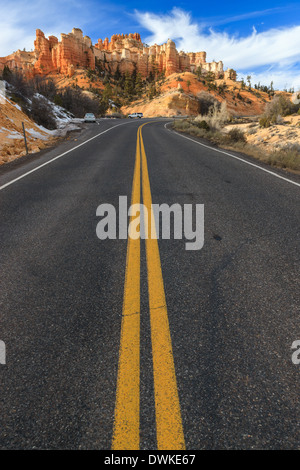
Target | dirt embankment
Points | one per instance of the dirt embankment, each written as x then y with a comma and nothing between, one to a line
277,136
12,143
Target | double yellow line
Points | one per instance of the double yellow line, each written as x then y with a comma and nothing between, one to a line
126,433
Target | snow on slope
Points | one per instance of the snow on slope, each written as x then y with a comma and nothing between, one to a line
11,132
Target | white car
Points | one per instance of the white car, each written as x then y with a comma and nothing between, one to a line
89,117
135,115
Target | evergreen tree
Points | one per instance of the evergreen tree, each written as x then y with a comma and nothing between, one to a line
139,84
134,75
152,91
117,75
249,81
150,77
128,85
199,72
107,92
6,74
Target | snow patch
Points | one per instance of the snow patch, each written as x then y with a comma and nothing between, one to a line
14,135
36,134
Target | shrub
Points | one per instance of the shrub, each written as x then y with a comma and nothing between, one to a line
22,87
41,113
252,130
58,100
280,105
236,135
78,103
206,101
202,125
285,158
182,125
216,117
265,121
45,86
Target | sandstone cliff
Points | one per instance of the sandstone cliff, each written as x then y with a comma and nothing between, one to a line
122,52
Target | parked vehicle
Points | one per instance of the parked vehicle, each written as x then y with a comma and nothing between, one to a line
135,115
89,117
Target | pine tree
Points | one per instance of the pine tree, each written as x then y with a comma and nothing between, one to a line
152,91
6,74
117,74
134,74
107,92
138,84
249,81
128,85
199,72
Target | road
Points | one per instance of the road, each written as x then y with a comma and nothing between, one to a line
144,344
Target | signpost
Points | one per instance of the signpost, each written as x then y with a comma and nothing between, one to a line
25,138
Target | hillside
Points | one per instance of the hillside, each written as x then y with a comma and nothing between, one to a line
127,74
11,133
123,75
179,95
175,95
12,143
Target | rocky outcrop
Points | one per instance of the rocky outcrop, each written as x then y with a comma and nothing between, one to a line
172,103
43,49
71,52
20,60
50,55
122,52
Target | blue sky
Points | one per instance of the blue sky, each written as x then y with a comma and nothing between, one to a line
261,39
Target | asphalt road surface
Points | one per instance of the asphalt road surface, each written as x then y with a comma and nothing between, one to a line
143,344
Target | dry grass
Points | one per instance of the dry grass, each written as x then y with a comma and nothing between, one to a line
287,158
216,117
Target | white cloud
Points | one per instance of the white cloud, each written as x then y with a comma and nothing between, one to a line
276,49
267,56
20,19
281,79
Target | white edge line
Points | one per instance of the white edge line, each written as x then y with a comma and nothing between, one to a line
234,156
61,155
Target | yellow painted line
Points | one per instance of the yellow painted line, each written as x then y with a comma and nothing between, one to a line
169,430
126,433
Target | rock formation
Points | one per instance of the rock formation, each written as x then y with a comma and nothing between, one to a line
71,52
122,52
